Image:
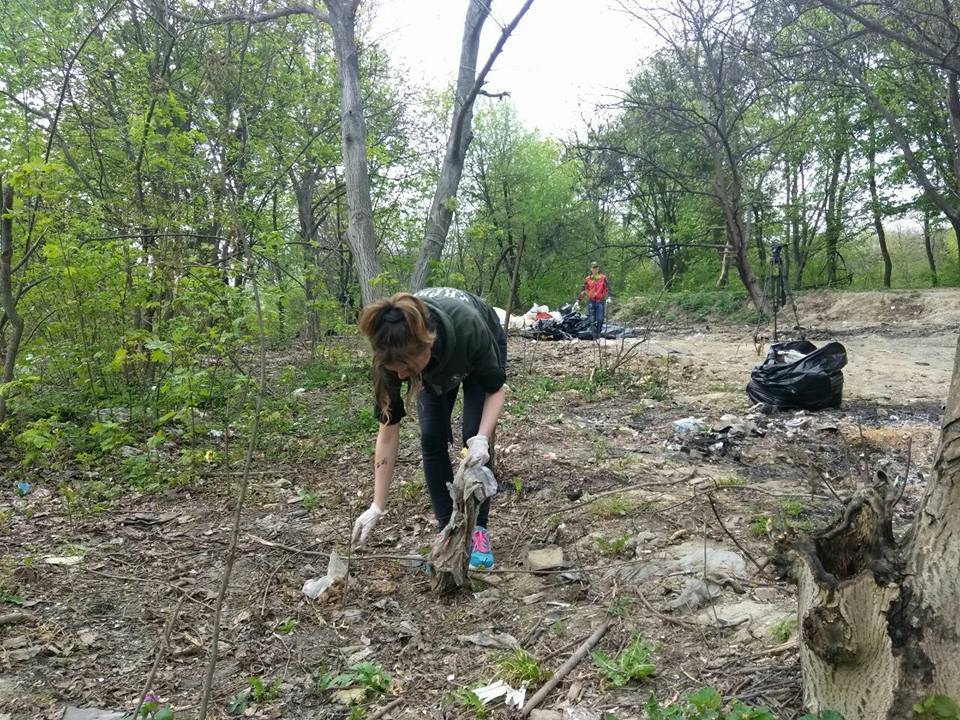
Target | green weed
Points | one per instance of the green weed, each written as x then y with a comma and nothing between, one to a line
783,629
370,676
521,667
937,707
760,525
792,508
731,481
468,700
630,665
612,548
708,704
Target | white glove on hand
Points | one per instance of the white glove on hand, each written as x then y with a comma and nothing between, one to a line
478,450
364,524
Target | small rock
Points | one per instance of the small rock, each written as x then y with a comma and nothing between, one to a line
766,594
580,713
545,715
491,640
697,593
128,451
547,558
350,696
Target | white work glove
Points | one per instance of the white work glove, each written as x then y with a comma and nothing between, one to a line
478,450
364,524
608,301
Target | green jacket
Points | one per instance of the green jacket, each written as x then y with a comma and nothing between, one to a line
467,346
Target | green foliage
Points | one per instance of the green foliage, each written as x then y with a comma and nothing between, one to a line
520,667
257,692
468,700
629,666
708,704
937,707
612,547
367,675
783,629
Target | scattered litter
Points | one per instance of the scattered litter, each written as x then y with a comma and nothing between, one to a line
547,558
64,560
450,556
336,576
697,593
491,640
22,487
567,324
75,713
735,426
512,697
689,426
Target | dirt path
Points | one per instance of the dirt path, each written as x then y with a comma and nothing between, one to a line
905,367
593,469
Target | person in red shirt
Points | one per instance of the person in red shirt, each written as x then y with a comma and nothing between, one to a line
597,290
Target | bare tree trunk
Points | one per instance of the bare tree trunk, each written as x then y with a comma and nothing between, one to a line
875,205
880,621
928,246
6,292
469,84
512,299
724,266
353,132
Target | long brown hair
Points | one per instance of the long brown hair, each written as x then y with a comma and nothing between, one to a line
398,329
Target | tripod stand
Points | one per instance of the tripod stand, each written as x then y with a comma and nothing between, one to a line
780,291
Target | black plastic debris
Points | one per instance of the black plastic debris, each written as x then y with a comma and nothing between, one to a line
575,326
798,376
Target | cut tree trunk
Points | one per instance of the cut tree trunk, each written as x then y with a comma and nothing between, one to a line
879,620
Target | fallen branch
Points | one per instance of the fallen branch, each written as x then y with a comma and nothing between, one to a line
565,669
161,651
736,542
16,618
385,709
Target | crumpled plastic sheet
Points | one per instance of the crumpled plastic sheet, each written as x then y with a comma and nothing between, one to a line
450,557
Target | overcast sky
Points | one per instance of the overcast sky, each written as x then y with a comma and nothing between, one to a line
564,58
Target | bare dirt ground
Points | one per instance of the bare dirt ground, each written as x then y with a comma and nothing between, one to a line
662,533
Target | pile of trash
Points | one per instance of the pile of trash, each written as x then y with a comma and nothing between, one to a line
569,324
798,376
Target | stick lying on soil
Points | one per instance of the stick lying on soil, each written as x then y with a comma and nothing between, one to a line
565,669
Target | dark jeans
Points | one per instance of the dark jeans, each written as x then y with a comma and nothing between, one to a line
596,310
434,413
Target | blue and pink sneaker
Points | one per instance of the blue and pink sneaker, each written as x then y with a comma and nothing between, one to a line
482,556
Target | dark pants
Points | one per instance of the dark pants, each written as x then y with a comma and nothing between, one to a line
434,412
596,310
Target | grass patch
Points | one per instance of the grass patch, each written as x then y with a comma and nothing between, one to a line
612,548
521,667
613,506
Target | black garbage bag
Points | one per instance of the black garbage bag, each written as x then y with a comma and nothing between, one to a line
813,382
575,326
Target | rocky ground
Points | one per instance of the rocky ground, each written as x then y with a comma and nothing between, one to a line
666,535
